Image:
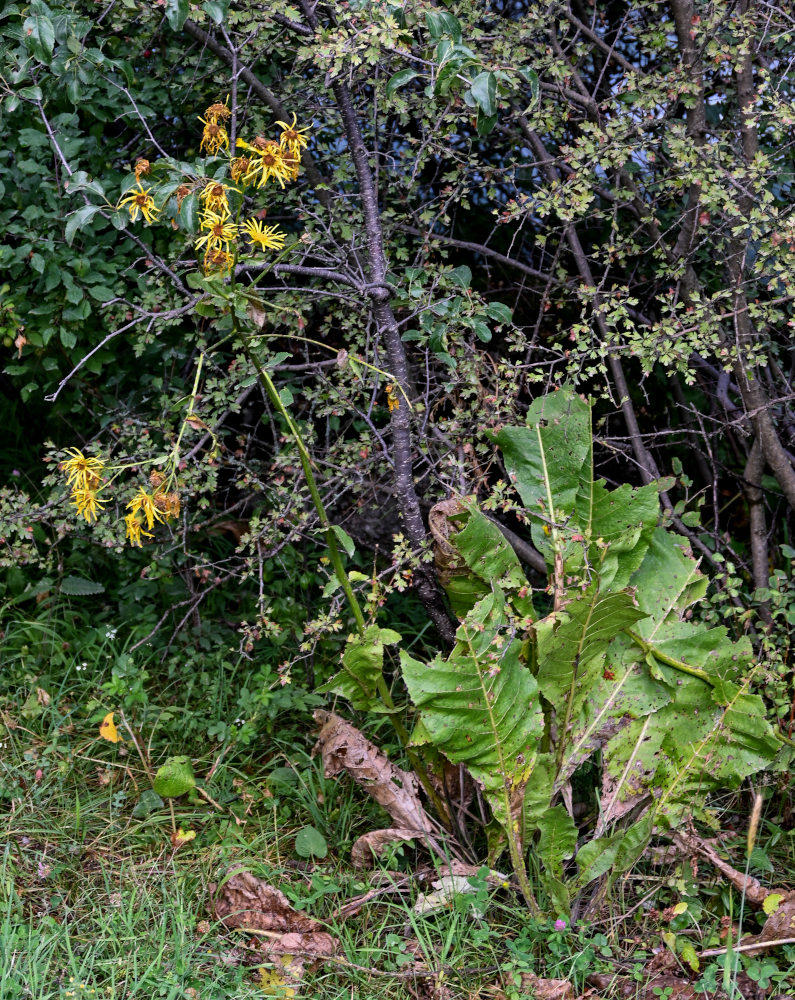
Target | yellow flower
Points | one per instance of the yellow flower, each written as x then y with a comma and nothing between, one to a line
81,473
145,503
268,161
139,201
134,529
142,168
214,137
87,502
293,138
266,237
217,111
217,261
219,232
214,198
293,163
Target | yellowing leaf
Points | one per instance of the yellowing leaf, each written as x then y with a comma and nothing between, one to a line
182,837
688,955
283,979
772,902
680,908
670,940
108,731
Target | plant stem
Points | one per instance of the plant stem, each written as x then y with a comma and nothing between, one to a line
306,464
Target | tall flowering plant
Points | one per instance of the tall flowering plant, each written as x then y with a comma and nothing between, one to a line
226,230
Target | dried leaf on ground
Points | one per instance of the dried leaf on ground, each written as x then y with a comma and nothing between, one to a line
344,748
751,888
547,989
496,880
780,925
249,904
445,891
372,845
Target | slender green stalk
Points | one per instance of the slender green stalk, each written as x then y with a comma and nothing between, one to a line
669,661
306,464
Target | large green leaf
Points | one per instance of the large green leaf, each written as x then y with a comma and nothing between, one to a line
480,706
691,726
548,459
551,464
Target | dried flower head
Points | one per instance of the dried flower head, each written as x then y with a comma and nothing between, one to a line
182,193
217,262
217,112
240,166
214,197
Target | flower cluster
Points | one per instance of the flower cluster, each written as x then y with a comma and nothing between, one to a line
84,476
258,163
264,160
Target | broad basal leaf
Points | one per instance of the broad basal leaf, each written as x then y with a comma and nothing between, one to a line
480,706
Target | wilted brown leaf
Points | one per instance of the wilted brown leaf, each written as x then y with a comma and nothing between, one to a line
547,989
344,748
247,903
372,845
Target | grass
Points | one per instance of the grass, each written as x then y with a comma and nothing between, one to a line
94,897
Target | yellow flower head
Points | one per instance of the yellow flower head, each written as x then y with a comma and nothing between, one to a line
218,232
142,168
145,503
293,138
139,201
267,161
214,137
217,261
214,197
217,112
265,237
134,529
82,473
87,502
